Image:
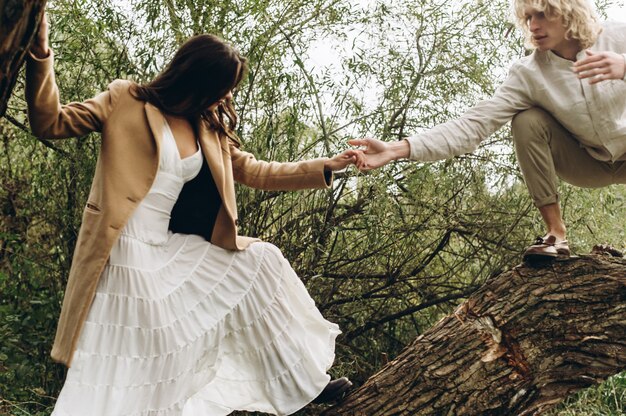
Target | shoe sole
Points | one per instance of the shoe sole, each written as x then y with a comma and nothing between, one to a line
544,258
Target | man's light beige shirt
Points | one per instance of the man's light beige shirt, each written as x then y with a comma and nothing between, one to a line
594,114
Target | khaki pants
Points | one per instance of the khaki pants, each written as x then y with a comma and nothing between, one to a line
545,151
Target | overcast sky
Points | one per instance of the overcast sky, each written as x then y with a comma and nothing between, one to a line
618,12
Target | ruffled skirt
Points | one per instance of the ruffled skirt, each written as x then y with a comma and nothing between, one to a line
187,328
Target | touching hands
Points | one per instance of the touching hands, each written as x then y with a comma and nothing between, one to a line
40,46
377,153
600,66
342,160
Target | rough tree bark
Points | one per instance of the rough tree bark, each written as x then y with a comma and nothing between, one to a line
518,346
18,22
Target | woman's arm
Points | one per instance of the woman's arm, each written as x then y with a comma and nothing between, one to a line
308,174
40,47
48,118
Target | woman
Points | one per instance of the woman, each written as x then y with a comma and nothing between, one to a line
156,322
568,105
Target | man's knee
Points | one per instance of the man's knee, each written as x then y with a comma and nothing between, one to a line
532,124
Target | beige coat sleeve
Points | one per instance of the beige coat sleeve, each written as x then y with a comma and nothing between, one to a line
51,120
276,176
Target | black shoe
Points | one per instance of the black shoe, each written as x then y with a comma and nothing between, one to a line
334,390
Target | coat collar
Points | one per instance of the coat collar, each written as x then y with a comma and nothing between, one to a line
211,146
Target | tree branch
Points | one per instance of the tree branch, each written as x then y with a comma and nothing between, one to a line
518,346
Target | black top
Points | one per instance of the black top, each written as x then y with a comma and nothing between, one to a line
197,206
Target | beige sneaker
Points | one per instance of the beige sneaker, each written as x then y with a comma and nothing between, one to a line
546,248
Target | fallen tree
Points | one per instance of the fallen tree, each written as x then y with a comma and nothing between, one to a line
19,20
519,345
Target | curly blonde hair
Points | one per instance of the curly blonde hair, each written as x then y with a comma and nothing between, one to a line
578,16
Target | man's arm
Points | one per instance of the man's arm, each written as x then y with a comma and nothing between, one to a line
456,137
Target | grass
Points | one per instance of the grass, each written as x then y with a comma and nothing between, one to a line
606,399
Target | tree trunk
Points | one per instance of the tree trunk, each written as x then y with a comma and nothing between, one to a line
19,20
518,346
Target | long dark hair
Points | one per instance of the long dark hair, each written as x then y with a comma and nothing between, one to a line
204,69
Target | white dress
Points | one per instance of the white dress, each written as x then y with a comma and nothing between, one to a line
180,326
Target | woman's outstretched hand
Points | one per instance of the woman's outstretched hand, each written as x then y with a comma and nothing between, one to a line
377,153
342,160
40,47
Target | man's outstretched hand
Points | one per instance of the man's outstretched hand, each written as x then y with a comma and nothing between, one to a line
375,153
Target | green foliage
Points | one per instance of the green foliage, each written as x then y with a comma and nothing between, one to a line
609,398
385,254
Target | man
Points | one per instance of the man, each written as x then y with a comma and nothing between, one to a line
567,101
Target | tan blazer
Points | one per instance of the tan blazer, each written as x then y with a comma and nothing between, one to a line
126,167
